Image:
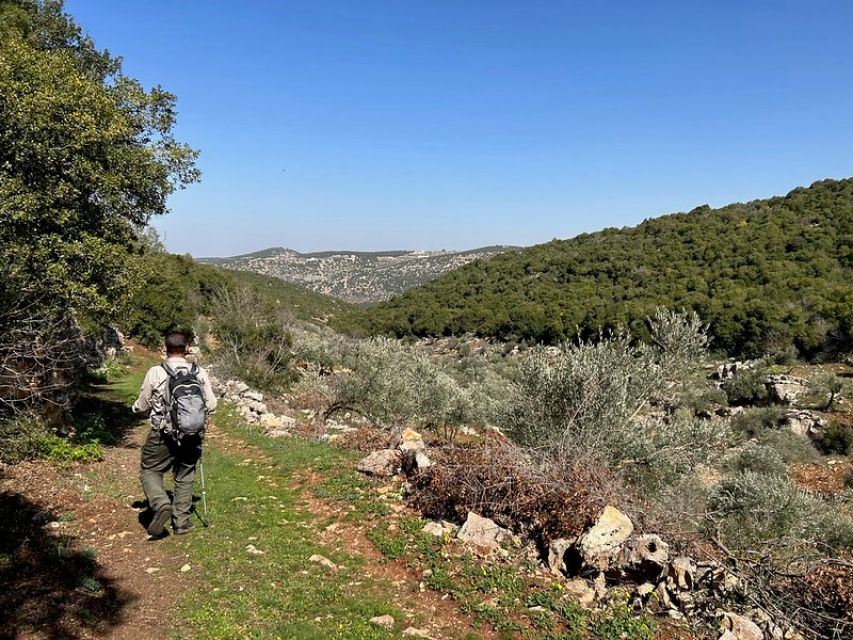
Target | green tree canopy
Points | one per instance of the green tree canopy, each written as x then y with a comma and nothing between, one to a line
766,275
87,156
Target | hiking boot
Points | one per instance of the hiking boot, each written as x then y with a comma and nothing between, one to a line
157,527
187,528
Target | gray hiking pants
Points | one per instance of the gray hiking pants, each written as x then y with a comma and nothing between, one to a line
159,454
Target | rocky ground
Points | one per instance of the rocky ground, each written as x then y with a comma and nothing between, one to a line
75,560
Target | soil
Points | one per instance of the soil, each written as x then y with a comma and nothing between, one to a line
64,526
61,534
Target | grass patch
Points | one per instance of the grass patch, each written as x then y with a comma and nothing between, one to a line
279,593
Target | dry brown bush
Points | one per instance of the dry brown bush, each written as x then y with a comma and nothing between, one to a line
829,589
365,438
498,481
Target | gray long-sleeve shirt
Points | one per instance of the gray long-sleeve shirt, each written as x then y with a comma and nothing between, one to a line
151,395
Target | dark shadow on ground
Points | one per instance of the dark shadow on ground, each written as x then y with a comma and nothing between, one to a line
50,583
100,417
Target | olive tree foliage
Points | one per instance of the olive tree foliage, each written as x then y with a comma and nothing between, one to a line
592,399
393,384
87,157
251,340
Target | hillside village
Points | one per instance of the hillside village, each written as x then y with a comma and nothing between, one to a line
356,277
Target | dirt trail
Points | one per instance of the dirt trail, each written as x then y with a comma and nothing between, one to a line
66,526
83,512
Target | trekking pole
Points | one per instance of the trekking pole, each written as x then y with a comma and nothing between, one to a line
203,495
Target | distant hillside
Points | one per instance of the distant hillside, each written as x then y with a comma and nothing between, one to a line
766,275
178,289
355,276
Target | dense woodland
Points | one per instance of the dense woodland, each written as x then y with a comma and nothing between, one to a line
767,276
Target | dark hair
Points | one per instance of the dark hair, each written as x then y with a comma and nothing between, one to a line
176,342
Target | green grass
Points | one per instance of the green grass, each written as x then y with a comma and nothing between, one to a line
255,496
279,594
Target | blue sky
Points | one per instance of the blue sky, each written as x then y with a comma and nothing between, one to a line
393,124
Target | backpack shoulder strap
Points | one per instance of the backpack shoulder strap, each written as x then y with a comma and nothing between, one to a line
169,370
194,369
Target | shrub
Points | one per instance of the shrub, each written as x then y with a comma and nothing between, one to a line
21,438
619,622
253,343
703,399
838,438
591,398
112,368
751,510
92,428
792,448
388,383
59,449
28,437
752,423
825,390
747,386
759,458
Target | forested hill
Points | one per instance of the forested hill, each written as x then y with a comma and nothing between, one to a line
767,275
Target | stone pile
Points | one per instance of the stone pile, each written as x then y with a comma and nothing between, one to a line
250,405
785,389
730,369
407,452
610,553
805,424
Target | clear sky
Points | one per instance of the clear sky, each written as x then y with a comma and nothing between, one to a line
390,124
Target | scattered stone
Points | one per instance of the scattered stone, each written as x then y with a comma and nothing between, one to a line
252,395
258,407
254,550
386,621
53,525
412,632
383,463
481,532
185,568
415,461
433,529
580,591
805,424
740,627
411,440
731,368
152,570
660,599
322,560
645,556
785,389
557,554
682,571
606,537
793,634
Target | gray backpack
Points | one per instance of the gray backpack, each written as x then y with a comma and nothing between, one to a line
185,403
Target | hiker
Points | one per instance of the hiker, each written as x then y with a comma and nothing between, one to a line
179,397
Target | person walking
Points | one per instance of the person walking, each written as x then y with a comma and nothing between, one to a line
179,398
